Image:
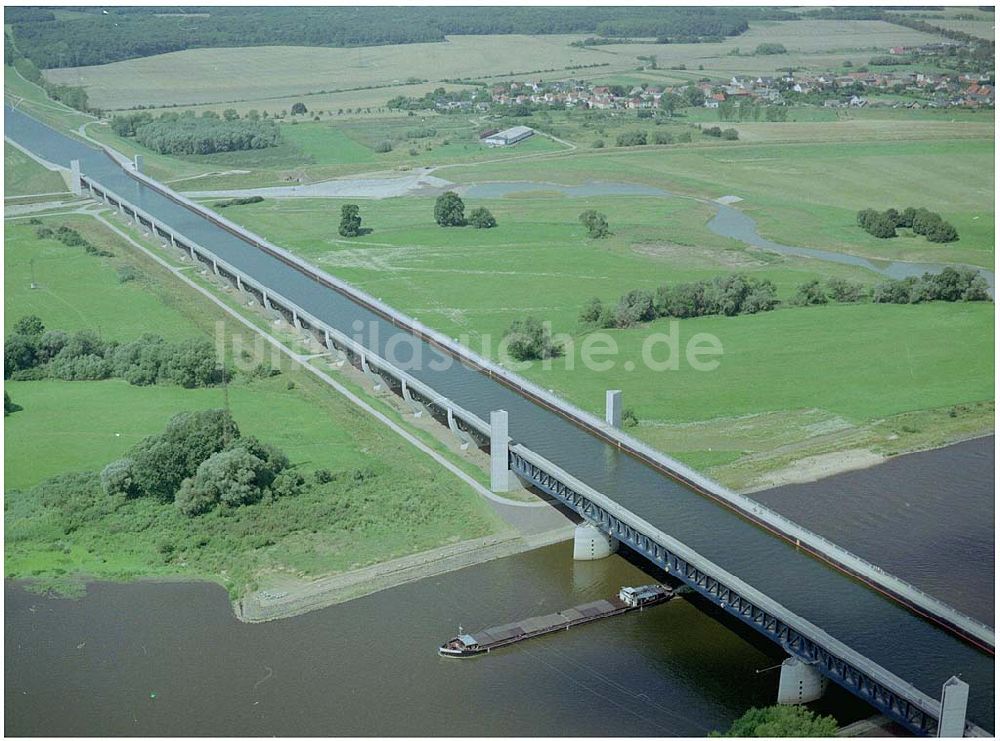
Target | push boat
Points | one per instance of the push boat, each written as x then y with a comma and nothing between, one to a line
467,645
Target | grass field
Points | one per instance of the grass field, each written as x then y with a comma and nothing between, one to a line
823,376
808,194
80,291
386,500
258,74
23,176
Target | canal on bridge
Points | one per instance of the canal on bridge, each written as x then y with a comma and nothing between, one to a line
872,624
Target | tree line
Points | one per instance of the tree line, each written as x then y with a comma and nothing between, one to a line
174,133
951,284
741,294
31,352
724,295
69,237
100,36
883,224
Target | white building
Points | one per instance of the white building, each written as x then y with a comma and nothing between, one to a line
508,136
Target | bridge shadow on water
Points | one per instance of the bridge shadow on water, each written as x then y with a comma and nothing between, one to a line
836,701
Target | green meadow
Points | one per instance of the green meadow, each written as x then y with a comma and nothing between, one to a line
809,194
385,500
24,177
832,375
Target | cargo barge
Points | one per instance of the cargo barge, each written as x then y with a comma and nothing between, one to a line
467,645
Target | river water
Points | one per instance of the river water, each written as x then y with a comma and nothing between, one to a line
370,666
944,500
93,666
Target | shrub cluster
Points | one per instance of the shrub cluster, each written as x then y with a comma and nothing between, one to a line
529,339
631,139
728,296
30,353
199,462
728,134
245,201
883,224
174,133
951,284
425,133
770,48
71,238
481,218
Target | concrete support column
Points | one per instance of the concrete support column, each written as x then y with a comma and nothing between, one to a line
416,406
74,178
173,242
375,378
799,683
296,321
239,283
137,163
501,477
215,267
613,408
194,257
464,440
590,543
121,208
266,300
954,699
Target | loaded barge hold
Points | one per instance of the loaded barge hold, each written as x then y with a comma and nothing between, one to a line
627,599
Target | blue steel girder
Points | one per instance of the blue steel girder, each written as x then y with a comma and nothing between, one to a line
837,669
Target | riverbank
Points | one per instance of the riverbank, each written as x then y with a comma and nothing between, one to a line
284,595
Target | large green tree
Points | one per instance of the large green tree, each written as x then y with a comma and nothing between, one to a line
449,209
782,721
350,220
596,223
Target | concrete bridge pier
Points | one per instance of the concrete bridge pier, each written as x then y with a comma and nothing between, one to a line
954,700
591,543
613,408
374,377
416,406
501,477
74,178
339,356
799,683
137,163
263,294
464,439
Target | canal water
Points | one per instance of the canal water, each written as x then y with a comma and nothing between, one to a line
170,658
